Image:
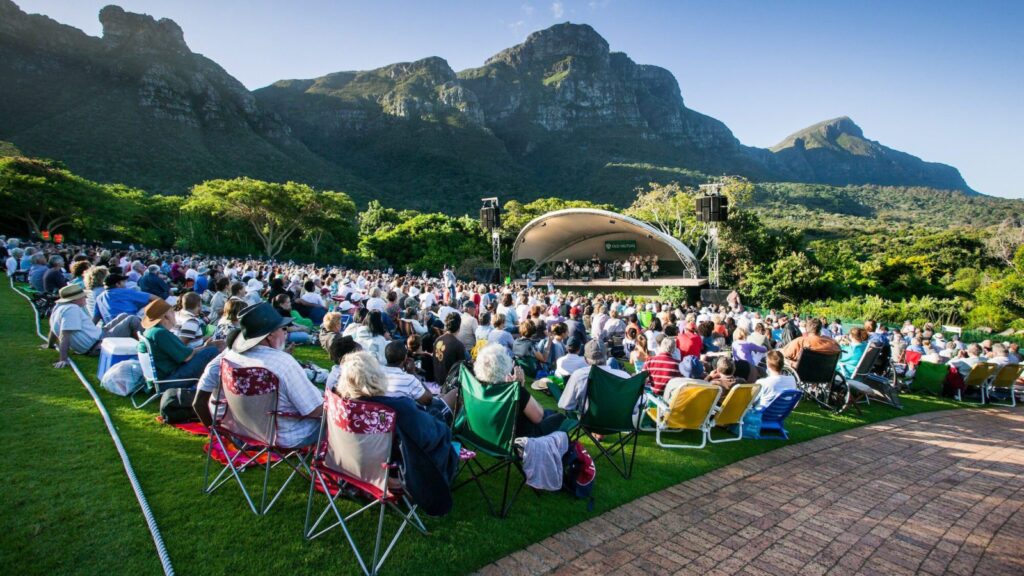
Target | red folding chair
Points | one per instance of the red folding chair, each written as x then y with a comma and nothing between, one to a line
353,459
244,433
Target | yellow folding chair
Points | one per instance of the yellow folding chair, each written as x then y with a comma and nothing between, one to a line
979,376
1005,377
691,408
734,407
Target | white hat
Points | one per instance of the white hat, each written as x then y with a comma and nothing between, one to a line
253,285
356,296
346,306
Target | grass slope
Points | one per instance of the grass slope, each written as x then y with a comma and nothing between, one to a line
70,508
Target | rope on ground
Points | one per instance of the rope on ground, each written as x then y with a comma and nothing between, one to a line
161,550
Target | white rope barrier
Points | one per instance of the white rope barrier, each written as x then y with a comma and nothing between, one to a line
161,550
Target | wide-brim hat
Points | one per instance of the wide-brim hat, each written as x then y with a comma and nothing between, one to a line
154,312
113,279
70,293
256,322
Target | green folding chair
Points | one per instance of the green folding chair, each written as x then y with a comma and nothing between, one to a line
930,378
486,424
609,413
645,318
528,364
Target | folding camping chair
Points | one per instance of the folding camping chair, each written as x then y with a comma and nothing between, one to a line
487,425
1005,377
691,407
930,378
353,457
867,384
244,433
735,406
609,411
979,377
150,381
817,378
773,416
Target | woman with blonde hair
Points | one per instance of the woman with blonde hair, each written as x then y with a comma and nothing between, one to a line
92,280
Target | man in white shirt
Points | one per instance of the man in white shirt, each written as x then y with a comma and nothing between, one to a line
376,302
71,326
467,329
576,387
260,344
597,323
571,361
402,384
776,382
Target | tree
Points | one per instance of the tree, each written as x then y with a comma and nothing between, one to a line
275,211
377,217
427,242
1006,240
333,215
669,208
44,195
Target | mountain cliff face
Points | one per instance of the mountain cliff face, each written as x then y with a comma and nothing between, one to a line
136,105
559,114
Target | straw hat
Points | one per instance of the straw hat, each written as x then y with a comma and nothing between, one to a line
71,293
154,312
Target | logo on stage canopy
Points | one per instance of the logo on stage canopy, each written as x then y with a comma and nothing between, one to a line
620,246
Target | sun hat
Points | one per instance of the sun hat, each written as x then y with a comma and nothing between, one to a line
346,306
70,293
113,279
154,312
540,385
593,352
255,323
253,285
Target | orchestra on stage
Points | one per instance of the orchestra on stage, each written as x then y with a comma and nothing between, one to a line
633,267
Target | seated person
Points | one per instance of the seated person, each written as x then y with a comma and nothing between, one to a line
171,357
429,459
400,383
852,351
493,366
448,349
36,271
499,335
297,334
311,305
525,347
259,343
662,367
117,299
329,330
775,382
228,320
724,374
576,387
71,326
571,361
191,327
54,278
812,340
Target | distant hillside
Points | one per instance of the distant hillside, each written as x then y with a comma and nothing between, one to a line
558,115
836,152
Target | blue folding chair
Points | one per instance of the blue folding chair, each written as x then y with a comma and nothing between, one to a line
774,415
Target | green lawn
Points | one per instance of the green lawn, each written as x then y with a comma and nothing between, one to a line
70,508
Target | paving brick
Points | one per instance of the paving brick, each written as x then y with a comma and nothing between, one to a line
936,493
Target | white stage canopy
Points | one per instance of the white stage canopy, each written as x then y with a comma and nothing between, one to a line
579,233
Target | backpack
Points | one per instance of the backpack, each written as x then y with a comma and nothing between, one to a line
176,406
579,473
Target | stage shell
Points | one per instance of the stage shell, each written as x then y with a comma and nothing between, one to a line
579,233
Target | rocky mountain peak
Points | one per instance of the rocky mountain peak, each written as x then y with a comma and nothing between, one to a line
553,44
832,129
141,32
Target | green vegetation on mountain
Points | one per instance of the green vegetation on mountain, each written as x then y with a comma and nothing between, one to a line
558,115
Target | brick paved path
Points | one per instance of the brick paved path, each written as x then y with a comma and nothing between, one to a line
936,493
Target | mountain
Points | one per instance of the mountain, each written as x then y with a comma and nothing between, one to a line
558,115
136,106
836,152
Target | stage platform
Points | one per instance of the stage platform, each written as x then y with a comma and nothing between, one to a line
628,286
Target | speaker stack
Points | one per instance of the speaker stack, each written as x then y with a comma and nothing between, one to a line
712,209
490,218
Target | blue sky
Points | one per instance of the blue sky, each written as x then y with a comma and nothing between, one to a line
943,80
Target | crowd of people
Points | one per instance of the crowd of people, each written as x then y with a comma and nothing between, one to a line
399,336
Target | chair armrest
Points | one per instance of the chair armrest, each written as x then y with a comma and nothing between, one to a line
657,400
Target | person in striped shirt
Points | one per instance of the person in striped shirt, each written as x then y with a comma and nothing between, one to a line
662,367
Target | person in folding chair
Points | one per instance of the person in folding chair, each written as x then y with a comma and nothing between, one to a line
576,387
259,343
